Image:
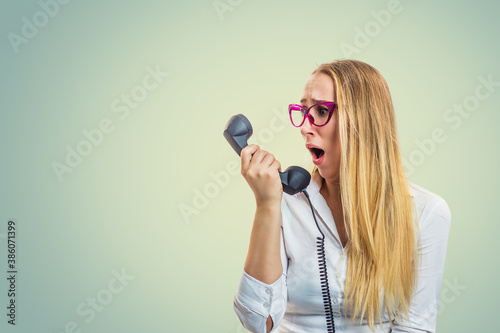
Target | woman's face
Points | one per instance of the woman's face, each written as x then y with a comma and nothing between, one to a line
326,139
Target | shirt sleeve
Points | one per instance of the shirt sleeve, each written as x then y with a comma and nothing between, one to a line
425,299
255,300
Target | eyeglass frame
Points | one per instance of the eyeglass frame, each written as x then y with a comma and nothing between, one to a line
330,105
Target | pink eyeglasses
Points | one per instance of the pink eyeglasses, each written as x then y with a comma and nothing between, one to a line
319,114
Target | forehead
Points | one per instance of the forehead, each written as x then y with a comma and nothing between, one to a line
319,86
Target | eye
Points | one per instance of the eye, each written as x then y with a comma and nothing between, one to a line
323,112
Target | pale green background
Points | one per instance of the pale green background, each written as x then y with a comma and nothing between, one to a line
120,206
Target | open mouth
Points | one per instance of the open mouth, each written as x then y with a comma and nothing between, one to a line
317,152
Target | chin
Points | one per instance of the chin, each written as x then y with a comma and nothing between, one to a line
328,174
322,172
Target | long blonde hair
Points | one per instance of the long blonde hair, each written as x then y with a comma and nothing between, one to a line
379,215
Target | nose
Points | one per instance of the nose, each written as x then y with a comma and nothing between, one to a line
307,128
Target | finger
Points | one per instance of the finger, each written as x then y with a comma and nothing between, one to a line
246,155
268,160
257,158
276,165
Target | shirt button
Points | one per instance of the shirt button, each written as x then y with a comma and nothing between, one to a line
341,252
336,314
266,305
335,300
268,291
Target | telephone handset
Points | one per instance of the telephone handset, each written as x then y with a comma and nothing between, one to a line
238,129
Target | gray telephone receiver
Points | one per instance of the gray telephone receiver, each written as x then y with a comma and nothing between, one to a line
238,129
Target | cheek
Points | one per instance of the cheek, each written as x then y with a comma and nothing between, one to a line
332,133
333,139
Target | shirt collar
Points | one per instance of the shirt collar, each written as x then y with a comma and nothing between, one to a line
315,185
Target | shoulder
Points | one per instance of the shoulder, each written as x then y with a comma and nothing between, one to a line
429,202
432,210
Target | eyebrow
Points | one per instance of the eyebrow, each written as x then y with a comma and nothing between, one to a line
302,101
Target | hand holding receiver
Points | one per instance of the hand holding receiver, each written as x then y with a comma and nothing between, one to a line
238,130
261,171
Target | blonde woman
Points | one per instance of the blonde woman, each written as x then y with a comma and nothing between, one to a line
384,238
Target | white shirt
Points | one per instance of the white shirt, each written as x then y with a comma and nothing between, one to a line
295,301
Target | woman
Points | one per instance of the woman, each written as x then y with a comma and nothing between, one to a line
384,237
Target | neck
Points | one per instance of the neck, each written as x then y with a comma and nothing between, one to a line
331,190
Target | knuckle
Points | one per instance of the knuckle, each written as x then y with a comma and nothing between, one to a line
264,174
